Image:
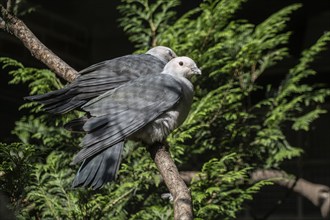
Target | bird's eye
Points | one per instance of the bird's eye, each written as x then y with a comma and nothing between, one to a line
180,63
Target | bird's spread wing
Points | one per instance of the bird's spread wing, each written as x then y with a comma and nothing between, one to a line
126,109
98,79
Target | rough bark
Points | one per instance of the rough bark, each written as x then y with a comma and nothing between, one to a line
16,27
177,187
175,184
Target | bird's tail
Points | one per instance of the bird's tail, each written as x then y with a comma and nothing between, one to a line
96,171
59,101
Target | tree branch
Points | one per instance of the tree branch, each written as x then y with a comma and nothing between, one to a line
16,27
318,194
175,184
160,154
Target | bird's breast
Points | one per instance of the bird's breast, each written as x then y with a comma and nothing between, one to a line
163,125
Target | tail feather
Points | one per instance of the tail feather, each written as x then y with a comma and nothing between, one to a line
100,169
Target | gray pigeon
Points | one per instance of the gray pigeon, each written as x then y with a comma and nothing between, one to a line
102,77
92,82
146,109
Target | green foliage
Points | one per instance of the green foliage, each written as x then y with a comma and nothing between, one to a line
221,189
39,80
15,171
226,136
303,122
20,7
50,192
145,20
159,212
39,135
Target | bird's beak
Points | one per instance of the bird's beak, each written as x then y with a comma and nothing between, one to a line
196,71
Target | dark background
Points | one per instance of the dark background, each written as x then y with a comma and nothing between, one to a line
86,32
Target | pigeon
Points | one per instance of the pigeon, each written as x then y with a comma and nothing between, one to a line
142,105
92,82
146,109
102,77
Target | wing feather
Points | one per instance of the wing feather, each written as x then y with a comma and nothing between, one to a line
98,79
119,113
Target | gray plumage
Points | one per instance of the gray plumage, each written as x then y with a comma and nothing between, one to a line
100,169
141,105
145,109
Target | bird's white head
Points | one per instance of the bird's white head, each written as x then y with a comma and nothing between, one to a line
165,54
182,67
